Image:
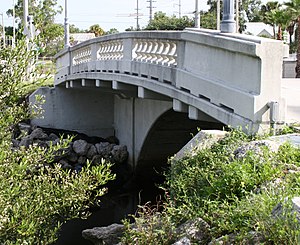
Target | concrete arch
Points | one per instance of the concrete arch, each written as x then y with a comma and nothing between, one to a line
169,133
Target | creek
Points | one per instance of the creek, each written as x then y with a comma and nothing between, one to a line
116,205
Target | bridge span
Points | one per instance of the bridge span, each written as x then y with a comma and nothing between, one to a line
151,89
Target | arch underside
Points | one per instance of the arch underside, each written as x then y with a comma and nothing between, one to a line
171,131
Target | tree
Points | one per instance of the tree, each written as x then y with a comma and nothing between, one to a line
97,30
163,22
279,18
251,8
294,9
112,31
36,197
44,12
74,29
268,18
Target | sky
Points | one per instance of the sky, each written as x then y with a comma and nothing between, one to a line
112,13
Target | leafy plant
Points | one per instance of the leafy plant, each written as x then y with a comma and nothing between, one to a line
235,195
36,198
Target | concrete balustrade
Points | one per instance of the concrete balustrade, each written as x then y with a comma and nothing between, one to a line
231,77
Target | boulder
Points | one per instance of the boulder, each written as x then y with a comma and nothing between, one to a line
15,143
183,241
81,160
196,230
81,147
64,164
280,209
109,235
252,237
41,143
24,128
255,147
26,141
72,157
104,149
97,159
91,152
38,133
119,153
53,137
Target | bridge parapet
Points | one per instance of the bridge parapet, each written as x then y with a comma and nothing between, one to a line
230,77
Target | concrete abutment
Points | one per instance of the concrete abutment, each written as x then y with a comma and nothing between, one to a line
151,129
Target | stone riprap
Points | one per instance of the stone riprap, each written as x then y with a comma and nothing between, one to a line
78,151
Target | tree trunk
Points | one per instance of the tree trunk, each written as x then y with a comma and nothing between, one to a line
298,50
279,33
291,31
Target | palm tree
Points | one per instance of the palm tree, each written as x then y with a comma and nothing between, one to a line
267,17
97,30
294,9
280,19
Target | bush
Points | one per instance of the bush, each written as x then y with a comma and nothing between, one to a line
35,197
235,195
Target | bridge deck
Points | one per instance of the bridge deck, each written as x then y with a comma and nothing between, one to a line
291,92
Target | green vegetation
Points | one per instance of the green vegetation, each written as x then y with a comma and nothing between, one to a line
232,193
163,22
36,195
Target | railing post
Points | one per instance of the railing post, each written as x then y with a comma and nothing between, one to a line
94,56
128,44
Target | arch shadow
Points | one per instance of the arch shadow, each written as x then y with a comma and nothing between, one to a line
170,132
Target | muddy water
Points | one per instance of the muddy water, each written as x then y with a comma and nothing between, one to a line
114,207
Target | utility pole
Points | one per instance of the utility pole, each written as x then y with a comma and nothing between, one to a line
137,15
237,14
197,14
14,28
218,14
67,27
151,9
179,6
25,19
3,30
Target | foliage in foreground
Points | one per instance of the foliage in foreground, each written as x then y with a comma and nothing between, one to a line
233,195
36,197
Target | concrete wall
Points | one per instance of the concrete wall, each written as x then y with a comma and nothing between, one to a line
83,110
289,66
133,120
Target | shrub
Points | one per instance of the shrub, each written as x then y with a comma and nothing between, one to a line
35,197
235,195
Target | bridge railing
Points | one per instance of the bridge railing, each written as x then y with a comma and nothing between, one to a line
233,73
117,52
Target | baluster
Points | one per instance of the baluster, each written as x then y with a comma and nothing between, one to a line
135,49
139,50
119,50
173,53
100,52
165,53
144,51
114,50
154,52
149,52
159,52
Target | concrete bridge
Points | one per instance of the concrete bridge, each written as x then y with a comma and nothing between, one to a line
153,89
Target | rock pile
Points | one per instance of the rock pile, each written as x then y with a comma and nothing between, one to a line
78,151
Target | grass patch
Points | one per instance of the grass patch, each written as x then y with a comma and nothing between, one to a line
232,194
